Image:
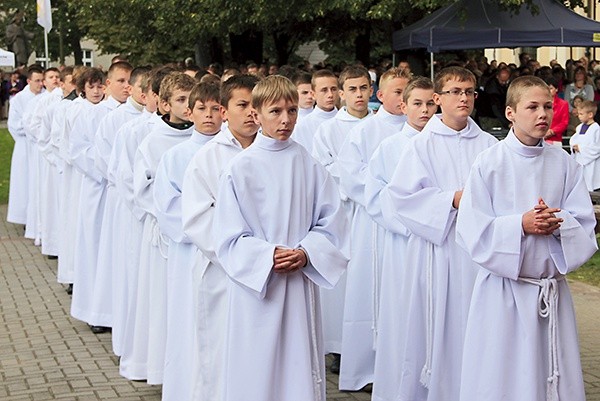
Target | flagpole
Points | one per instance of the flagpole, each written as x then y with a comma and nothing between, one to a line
46,48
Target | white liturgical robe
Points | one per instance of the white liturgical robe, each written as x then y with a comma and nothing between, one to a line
180,349
306,128
589,154
521,336
390,331
210,283
275,194
361,303
152,278
439,273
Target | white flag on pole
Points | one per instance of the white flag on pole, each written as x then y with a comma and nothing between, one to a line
44,14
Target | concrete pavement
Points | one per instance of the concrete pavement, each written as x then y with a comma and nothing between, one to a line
47,355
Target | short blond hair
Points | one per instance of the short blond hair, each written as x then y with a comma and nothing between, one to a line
392,73
416,83
520,86
588,106
272,89
175,81
458,73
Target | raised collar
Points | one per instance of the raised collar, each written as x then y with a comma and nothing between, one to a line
268,143
436,126
386,116
343,115
519,147
200,138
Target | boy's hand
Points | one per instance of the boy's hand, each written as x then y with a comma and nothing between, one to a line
575,148
457,198
541,220
549,134
288,260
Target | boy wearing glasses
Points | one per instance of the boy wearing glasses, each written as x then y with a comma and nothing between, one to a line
424,195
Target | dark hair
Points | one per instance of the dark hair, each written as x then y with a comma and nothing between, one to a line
203,92
34,69
91,76
242,81
138,72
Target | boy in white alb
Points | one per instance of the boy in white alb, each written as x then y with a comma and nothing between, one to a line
424,195
585,144
134,347
364,269
277,250
355,84
173,129
325,88
419,107
180,350
306,96
199,197
525,231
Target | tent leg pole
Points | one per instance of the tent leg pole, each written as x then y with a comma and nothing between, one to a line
431,64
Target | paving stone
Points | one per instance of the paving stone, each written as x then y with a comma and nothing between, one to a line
47,355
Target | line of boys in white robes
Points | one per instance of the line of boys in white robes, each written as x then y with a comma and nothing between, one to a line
136,150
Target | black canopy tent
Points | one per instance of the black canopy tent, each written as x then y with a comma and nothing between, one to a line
479,24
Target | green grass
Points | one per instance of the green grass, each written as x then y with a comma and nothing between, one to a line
589,272
6,148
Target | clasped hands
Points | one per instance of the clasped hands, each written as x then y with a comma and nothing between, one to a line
287,260
541,220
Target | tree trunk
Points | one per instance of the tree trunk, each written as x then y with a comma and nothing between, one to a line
246,47
362,45
282,47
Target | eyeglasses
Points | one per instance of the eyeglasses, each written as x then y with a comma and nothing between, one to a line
458,92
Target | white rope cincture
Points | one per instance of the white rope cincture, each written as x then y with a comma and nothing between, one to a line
316,362
375,292
426,372
548,308
158,240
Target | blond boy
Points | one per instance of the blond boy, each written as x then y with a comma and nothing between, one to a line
173,129
277,251
362,285
525,232
418,107
424,195
585,144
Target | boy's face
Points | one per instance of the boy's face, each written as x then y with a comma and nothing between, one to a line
532,115
177,106
585,116
356,93
151,101
458,105
69,85
277,119
239,114
390,95
326,93
118,84
419,107
306,98
136,91
51,80
206,117
94,92
36,82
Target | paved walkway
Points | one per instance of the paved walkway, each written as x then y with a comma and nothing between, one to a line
47,355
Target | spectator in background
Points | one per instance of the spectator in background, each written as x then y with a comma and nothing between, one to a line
580,87
560,121
10,87
492,102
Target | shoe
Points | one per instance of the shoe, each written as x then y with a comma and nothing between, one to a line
99,329
70,289
335,364
52,257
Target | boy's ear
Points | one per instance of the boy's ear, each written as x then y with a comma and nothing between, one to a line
403,107
509,113
165,106
255,117
223,111
379,94
189,115
437,99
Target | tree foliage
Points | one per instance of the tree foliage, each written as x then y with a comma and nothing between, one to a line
153,31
